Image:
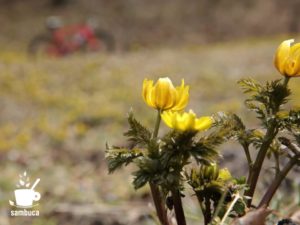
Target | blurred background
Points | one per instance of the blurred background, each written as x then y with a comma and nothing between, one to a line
65,93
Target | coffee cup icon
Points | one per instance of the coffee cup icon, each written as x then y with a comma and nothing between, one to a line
25,197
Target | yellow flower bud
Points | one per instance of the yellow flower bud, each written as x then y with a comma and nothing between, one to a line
287,58
186,121
210,172
225,174
282,114
164,96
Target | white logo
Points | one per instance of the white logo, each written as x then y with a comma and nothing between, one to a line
25,196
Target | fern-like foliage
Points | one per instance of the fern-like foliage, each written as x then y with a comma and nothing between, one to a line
265,100
176,147
291,121
149,170
204,151
245,136
117,157
137,134
292,124
229,126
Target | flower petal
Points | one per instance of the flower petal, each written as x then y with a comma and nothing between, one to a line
186,121
182,97
164,93
203,123
147,90
282,55
168,118
293,62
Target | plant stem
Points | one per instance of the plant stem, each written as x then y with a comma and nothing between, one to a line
159,205
277,164
276,183
282,174
255,171
157,123
156,194
257,166
179,213
207,210
286,81
220,203
248,156
200,200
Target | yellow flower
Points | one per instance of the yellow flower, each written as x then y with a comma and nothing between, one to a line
287,58
164,96
224,174
186,121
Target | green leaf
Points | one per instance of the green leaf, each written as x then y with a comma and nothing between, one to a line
137,133
140,179
265,100
239,207
150,170
250,85
117,157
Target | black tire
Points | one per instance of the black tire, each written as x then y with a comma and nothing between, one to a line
37,45
107,39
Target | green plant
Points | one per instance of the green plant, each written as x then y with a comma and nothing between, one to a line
184,155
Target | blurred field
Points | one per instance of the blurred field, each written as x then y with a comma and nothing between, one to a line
58,114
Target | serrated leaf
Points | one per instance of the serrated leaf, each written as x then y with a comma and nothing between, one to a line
250,85
140,179
137,133
265,100
117,157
